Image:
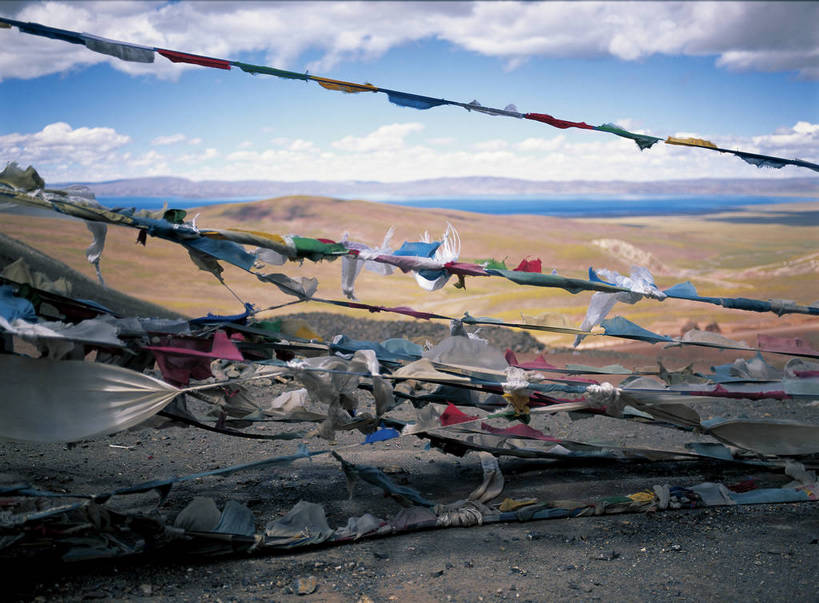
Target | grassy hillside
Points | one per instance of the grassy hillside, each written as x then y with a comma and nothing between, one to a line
767,251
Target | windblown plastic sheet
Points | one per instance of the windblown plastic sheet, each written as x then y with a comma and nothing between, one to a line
65,401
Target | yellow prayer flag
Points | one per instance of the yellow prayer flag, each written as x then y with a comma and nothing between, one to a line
691,142
340,86
642,497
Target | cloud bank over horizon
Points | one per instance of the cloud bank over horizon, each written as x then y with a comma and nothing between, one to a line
392,153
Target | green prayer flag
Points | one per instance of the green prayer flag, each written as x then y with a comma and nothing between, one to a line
292,75
493,264
316,250
643,141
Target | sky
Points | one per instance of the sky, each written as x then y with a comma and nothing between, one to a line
744,75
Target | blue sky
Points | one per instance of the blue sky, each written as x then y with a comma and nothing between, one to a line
744,75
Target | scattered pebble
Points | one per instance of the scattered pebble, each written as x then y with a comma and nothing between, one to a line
306,585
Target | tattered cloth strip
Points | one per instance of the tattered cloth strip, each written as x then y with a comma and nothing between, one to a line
133,52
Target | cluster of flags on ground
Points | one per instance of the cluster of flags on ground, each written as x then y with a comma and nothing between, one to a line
144,54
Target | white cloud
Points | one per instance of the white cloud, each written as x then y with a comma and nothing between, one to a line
195,141
541,144
803,134
301,145
59,143
385,138
171,139
762,36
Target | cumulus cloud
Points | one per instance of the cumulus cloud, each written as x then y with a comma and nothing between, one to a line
385,138
59,143
802,134
761,36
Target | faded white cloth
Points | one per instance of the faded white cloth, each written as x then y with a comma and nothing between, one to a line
120,50
352,265
641,284
467,352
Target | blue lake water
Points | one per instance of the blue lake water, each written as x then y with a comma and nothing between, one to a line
566,206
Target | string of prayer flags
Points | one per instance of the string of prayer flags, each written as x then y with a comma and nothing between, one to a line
144,54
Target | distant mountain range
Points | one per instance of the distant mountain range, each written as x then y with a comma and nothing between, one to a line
442,187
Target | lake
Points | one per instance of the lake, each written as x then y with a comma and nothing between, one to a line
566,206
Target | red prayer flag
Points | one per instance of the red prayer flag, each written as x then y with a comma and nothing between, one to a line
527,265
453,416
558,123
195,59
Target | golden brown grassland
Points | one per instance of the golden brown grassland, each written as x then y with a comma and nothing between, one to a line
775,257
